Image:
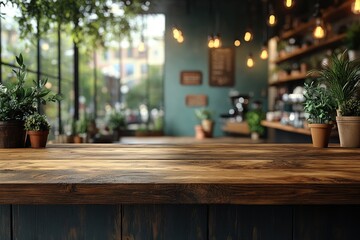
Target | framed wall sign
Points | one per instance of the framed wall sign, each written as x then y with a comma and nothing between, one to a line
198,100
221,67
191,78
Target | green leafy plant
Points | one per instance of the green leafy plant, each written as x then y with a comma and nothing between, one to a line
341,77
254,118
352,38
116,120
81,126
351,108
318,104
18,100
36,122
203,114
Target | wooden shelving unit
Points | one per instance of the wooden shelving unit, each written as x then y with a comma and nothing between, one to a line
236,127
330,13
289,78
304,51
287,128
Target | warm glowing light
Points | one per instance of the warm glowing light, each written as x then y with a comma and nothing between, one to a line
319,31
248,36
272,20
180,39
217,42
264,53
211,43
237,42
250,62
355,7
289,3
141,47
48,85
176,33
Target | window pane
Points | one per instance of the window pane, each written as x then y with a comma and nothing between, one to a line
49,53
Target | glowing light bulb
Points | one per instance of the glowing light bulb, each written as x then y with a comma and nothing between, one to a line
289,3
264,53
248,36
355,7
211,42
176,33
217,42
237,43
319,31
250,61
272,20
180,39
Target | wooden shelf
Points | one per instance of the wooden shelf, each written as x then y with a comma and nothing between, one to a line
287,128
330,14
289,78
304,51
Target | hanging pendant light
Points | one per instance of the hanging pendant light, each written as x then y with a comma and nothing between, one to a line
237,42
248,36
272,20
355,7
250,61
319,30
264,54
289,3
210,41
217,41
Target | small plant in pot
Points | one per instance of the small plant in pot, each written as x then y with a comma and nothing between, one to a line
349,123
17,101
321,110
207,124
81,129
37,127
116,123
342,79
253,119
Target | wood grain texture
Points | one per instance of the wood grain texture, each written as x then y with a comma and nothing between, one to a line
5,223
67,222
175,222
250,222
181,173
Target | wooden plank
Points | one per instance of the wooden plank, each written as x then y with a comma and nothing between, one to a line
5,222
67,222
198,173
250,222
326,222
175,222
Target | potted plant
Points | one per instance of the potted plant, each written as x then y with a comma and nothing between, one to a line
320,108
81,128
116,123
342,79
253,119
37,127
352,40
349,123
17,101
207,124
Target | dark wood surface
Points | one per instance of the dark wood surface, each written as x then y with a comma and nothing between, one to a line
209,173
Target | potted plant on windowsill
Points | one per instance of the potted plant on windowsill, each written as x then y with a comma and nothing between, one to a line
207,124
321,109
17,101
253,119
37,127
81,128
342,79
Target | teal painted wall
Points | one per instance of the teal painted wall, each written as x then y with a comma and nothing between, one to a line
192,54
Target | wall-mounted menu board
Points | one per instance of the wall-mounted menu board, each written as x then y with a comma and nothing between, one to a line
190,77
221,67
198,100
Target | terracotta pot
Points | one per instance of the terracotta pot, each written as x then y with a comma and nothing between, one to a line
12,134
349,131
199,132
320,134
38,139
78,139
208,128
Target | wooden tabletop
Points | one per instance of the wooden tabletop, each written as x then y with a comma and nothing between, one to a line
197,173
